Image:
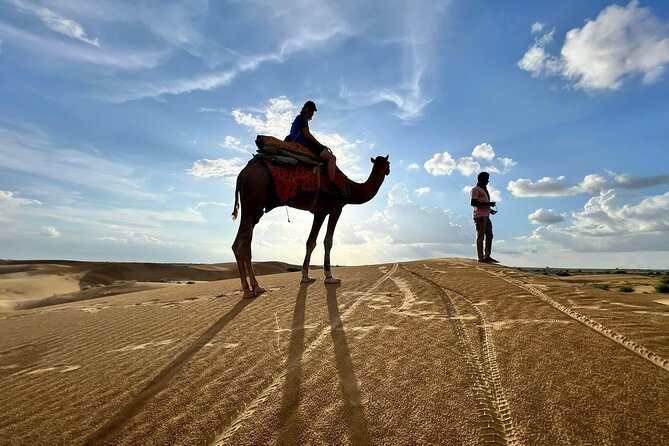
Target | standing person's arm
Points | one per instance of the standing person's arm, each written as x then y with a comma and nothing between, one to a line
480,204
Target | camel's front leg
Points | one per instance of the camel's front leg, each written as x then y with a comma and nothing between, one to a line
311,244
329,236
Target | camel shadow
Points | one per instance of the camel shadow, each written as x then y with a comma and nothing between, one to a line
114,425
354,413
292,392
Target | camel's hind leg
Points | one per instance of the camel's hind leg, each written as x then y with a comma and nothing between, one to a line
329,237
242,250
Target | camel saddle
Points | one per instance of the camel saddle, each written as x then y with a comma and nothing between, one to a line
293,180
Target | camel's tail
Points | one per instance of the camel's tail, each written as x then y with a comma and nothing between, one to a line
235,209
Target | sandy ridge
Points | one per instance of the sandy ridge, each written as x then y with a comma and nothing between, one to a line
247,412
495,418
629,344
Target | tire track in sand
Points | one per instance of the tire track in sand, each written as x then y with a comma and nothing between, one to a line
272,384
616,337
495,418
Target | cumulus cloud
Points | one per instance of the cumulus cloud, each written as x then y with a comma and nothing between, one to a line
537,27
484,151
397,223
545,217
556,187
49,231
444,164
226,168
422,190
467,166
608,223
55,22
413,166
620,43
234,144
440,164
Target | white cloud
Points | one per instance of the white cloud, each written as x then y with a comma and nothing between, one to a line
276,118
58,49
413,166
537,27
609,224
234,144
422,190
440,164
227,168
628,181
396,225
620,43
49,231
545,217
55,22
467,166
443,163
556,187
9,200
484,151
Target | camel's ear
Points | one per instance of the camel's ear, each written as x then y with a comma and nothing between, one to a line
371,159
387,157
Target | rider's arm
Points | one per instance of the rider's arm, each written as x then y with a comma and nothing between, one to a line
310,137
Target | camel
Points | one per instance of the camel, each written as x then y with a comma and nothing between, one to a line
252,190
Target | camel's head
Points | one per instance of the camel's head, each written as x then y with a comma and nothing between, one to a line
381,162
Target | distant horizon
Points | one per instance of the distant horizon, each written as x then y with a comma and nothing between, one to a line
316,265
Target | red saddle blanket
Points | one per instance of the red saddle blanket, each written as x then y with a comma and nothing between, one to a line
292,181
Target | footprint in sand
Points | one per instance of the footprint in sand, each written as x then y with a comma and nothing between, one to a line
129,348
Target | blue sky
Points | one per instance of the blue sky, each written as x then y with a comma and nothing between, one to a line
123,126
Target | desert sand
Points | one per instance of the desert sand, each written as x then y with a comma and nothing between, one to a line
440,351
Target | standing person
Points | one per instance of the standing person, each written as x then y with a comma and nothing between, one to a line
481,203
299,133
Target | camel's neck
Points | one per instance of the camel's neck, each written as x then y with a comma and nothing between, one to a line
363,192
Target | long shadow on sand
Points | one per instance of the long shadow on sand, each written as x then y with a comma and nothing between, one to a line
292,392
356,421
112,428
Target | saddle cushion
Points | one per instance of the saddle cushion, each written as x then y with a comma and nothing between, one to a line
291,182
272,145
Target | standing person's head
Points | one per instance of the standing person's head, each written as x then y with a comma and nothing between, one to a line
483,178
309,108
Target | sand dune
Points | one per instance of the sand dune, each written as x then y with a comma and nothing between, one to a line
443,351
33,284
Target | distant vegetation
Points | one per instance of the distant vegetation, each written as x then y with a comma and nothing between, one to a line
663,286
563,273
626,289
601,286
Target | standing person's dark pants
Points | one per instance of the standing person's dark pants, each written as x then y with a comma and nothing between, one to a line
483,230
